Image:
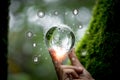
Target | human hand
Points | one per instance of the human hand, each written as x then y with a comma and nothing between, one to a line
75,71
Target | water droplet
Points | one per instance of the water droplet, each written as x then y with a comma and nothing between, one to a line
41,14
35,59
80,26
61,38
56,13
34,44
75,12
29,34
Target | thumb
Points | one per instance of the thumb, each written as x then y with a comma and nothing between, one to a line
73,58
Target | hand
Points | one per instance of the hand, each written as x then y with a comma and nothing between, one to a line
75,71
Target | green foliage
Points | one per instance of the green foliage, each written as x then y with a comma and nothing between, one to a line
97,41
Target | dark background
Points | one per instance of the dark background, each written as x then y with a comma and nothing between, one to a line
3,40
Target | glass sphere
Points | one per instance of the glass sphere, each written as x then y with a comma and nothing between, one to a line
60,37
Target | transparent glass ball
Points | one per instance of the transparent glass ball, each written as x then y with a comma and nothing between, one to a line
60,37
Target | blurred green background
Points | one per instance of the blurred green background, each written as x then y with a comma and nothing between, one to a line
28,57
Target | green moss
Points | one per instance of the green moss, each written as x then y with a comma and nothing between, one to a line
97,41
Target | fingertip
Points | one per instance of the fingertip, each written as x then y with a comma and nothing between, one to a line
73,57
79,70
51,51
72,52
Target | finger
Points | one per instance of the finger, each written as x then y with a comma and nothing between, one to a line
54,58
79,70
73,58
71,73
55,62
52,53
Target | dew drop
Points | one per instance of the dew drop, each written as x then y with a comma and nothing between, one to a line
35,59
29,34
41,14
34,44
80,26
75,12
56,13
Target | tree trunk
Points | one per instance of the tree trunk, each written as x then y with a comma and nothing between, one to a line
101,41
